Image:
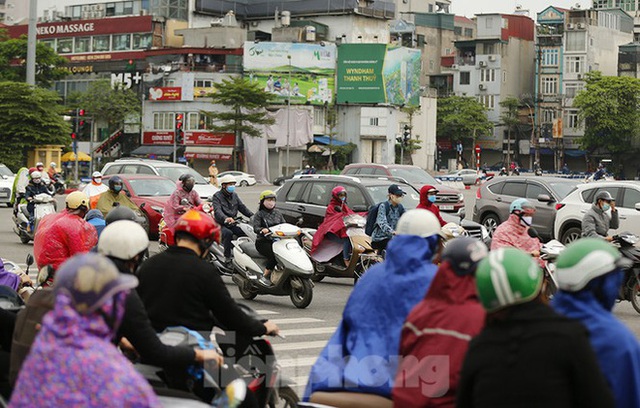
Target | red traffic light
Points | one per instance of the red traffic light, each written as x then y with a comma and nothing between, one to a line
81,112
73,135
81,123
178,117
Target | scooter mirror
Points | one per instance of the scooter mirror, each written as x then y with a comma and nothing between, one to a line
30,260
462,213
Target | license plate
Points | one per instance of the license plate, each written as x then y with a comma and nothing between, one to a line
446,207
4,195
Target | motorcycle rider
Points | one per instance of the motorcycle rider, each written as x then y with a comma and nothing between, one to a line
600,173
174,208
95,188
226,205
442,324
36,186
62,235
72,361
332,227
514,231
527,354
388,215
267,216
596,222
52,172
95,218
360,356
589,274
19,187
428,195
45,176
114,196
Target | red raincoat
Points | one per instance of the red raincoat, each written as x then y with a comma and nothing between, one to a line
513,234
336,210
425,204
436,333
60,236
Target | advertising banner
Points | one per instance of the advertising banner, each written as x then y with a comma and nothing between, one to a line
303,72
198,138
157,137
165,94
376,73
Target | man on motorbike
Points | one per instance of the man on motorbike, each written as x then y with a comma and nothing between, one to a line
52,172
428,196
600,173
226,205
388,215
95,188
174,207
267,216
596,222
114,196
60,236
514,231
45,176
442,324
527,354
361,356
332,227
589,274
36,186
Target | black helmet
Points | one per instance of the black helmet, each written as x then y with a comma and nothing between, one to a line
113,180
120,213
602,195
463,254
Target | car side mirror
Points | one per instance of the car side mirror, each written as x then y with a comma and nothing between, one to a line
544,198
30,260
462,213
142,205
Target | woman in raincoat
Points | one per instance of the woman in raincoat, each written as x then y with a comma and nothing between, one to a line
332,228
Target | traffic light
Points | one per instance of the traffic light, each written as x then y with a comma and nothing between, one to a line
179,128
406,135
131,66
73,135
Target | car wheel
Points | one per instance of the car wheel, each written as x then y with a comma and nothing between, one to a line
570,235
244,183
490,222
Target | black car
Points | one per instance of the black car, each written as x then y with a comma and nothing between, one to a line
304,200
280,180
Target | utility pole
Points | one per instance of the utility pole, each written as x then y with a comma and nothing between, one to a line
31,43
288,115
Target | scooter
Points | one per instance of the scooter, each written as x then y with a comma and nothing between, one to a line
216,251
630,289
291,276
59,184
549,253
44,205
328,260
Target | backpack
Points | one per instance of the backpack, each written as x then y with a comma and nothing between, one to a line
372,215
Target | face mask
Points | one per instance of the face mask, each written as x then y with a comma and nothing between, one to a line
97,180
231,189
343,198
117,189
526,221
269,204
606,207
36,181
431,198
187,186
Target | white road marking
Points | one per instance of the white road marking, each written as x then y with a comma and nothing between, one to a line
296,320
299,345
307,332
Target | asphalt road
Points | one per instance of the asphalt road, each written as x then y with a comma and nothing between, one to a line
307,330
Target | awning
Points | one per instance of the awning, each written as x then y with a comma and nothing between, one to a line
326,140
70,156
154,152
209,152
574,152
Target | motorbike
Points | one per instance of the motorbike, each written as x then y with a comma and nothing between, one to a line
549,253
60,186
328,261
216,251
503,172
630,289
44,205
538,172
291,276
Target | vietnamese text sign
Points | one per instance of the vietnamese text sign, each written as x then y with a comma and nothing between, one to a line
165,94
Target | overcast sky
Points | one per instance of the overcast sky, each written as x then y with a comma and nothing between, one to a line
470,7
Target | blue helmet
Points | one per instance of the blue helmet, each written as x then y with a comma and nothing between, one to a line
520,205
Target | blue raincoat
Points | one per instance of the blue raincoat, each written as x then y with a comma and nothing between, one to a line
362,355
616,347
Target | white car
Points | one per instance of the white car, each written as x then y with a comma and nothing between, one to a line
242,179
469,176
568,223
6,184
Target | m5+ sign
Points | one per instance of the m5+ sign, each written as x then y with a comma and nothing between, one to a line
125,80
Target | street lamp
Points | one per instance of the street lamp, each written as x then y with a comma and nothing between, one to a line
288,115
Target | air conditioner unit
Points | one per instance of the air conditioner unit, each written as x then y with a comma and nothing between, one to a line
570,26
482,87
492,58
482,63
582,26
454,66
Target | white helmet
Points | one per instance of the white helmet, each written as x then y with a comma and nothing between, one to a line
227,179
38,164
96,174
36,175
123,239
420,222
52,164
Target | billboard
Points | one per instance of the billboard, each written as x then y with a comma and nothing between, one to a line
377,73
303,72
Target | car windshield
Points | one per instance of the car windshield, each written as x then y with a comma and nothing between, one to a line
4,171
174,173
152,187
563,189
413,175
381,193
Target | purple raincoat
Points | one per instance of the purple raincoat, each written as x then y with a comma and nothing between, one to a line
8,278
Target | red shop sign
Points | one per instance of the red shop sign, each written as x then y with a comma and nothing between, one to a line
201,137
157,138
78,28
207,156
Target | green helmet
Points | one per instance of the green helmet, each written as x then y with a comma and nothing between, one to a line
507,277
584,260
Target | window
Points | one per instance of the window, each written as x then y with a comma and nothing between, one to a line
571,90
468,32
514,189
549,58
457,30
130,169
110,9
197,121
320,193
488,49
141,41
356,199
631,197
101,43
576,41
534,190
318,117
65,46
496,188
465,78
145,170
49,43
549,85
373,121
573,121
163,120
575,65
488,101
548,115
487,75
121,42
203,84
83,44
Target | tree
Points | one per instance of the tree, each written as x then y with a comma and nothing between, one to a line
609,108
30,116
509,119
462,117
49,65
246,102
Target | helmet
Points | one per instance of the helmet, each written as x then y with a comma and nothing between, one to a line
39,164
267,194
338,190
602,195
520,204
90,280
36,175
52,164
584,260
507,277
452,230
227,179
113,180
123,240
96,174
32,169
199,225
213,162
76,200
464,254
418,222
120,213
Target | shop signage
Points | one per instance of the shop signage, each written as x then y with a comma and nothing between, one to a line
165,94
157,137
207,156
115,25
191,138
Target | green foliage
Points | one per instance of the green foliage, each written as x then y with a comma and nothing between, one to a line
31,116
49,65
462,118
509,116
102,102
610,111
246,101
